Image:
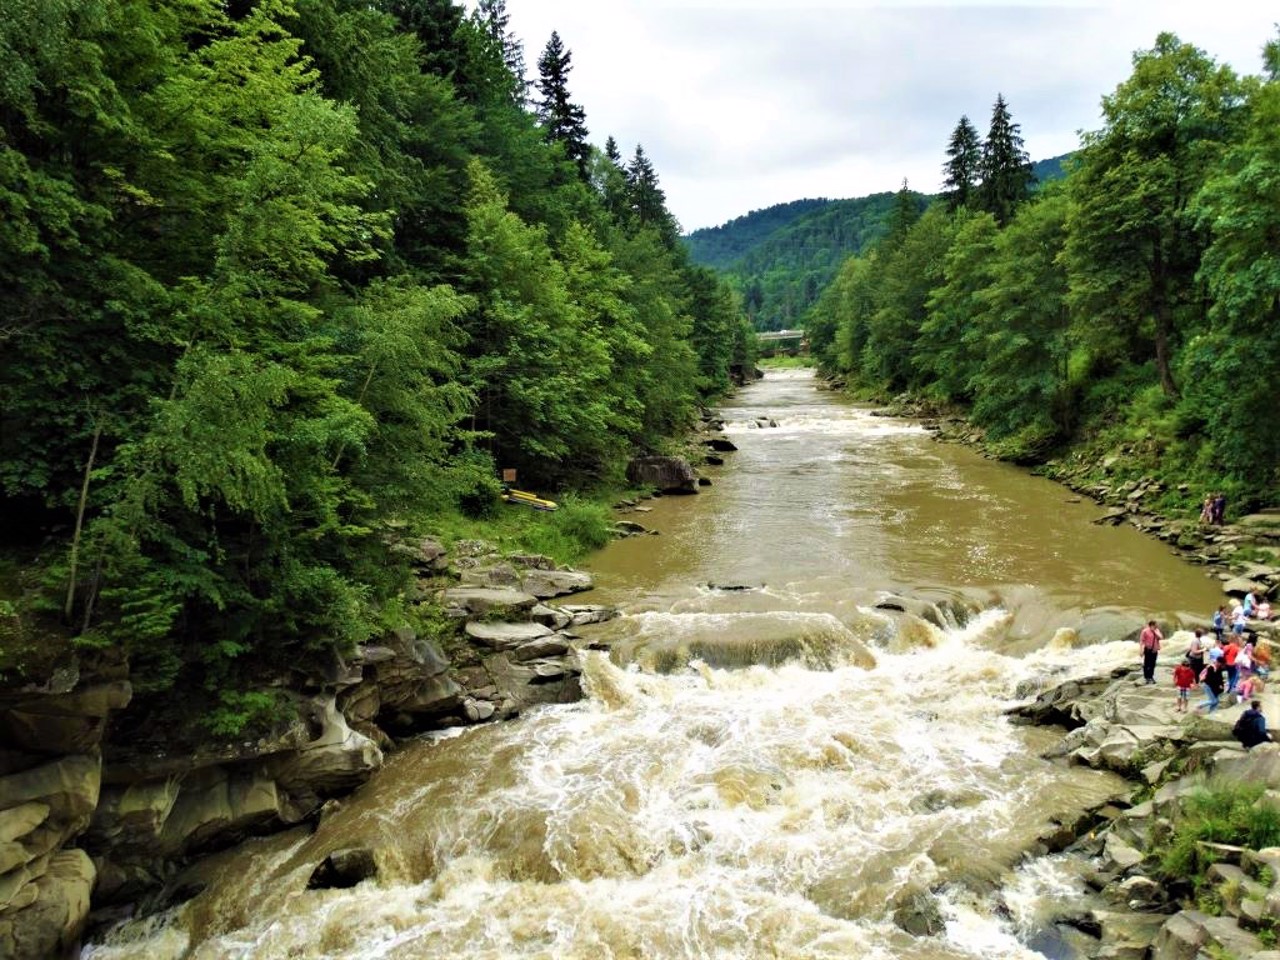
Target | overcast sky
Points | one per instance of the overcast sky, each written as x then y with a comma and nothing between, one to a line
742,104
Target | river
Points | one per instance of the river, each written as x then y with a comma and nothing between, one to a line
765,765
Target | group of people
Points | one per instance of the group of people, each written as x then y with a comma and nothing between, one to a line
1231,663
1214,509
1228,664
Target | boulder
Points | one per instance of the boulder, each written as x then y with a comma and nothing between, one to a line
720,444
502,575
338,759
53,910
552,646
69,787
213,809
534,682
505,636
553,617
344,868
667,474
545,584
67,723
582,614
482,601
919,914
1239,586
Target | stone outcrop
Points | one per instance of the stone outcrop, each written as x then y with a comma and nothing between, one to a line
664,474
50,783
139,810
1120,724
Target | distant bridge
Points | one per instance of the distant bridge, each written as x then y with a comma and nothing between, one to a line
783,341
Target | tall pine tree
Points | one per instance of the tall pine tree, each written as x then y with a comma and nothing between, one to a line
964,157
564,120
648,201
1005,167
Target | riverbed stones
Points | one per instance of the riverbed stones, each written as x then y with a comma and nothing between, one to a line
344,868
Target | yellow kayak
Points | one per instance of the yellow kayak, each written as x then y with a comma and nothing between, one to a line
529,500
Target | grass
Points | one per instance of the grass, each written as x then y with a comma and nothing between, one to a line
578,528
1222,812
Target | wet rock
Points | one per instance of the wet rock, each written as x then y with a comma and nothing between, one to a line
629,528
919,914
343,869
589,613
338,759
667,474
720,444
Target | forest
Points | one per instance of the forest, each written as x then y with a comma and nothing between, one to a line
277,275
1132,307
781,258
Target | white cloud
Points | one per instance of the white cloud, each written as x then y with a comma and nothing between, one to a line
745,104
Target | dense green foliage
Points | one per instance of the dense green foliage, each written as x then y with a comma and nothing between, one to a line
783,257
780,259
275,274
1133,304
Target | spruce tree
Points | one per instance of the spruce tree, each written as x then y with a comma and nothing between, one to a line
564,120
493,16
960,172
1005,168
648,201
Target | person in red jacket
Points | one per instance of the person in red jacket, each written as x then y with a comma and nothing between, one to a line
1184,678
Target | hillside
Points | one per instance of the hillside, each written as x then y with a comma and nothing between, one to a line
782,257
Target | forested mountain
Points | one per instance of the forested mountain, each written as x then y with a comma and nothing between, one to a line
275,275
1132,306
781,258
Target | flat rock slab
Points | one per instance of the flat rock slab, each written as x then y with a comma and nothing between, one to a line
473,601
544,584
505,636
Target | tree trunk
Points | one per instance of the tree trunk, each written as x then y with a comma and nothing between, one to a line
75,538
1162,313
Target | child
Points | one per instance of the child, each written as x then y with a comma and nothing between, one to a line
1183,678
1250,688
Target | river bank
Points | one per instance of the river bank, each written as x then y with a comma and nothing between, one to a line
1189,865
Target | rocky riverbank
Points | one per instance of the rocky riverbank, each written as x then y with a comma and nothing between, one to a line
1226,901
101,807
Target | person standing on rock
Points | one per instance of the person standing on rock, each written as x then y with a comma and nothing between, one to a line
1195,654
1251,727
1219,622
1183,678
1211,682
1149,641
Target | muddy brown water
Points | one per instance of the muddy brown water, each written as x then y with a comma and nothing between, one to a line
765,765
